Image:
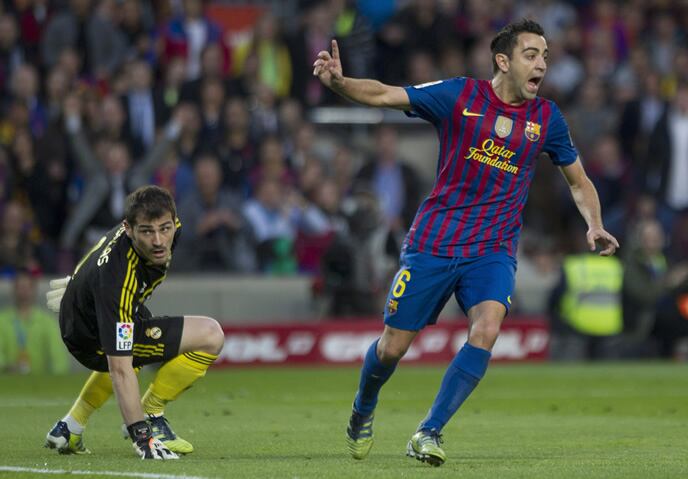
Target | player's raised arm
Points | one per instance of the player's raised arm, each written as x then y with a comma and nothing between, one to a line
588,203
328,68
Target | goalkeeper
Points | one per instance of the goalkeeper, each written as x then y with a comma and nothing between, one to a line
107,328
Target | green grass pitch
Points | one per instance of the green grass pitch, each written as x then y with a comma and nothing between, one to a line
523,421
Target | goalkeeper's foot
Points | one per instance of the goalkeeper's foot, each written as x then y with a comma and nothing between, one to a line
425,446
65,441
162,431
359,435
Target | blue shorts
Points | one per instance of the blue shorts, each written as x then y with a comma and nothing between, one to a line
425,283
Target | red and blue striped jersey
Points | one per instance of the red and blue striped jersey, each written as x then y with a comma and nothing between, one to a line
486,165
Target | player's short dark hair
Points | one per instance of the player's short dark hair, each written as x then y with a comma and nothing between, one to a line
505,41
148,203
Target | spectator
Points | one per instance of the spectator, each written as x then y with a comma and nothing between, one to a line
667,175
108,178
113,126
237,151
33,17
217,238
591,117
354,33
169,94
189,140
17,242
609,172
142,110
585,307
273,222
136,25
175,176
212,109
396,185
356,266
186,35
419,26
290,120
648,279
272,164
637,122
42,184
213,67
97,42
313,35
30,340
57,88
269,54
25,92
12,53
321,220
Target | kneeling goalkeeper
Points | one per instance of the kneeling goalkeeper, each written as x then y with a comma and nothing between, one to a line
107,328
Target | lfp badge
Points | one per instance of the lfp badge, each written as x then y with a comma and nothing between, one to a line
125,336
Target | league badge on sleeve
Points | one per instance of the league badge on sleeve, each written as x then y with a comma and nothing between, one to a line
532,131
125,336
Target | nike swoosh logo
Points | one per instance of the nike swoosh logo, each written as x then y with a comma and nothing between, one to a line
468,113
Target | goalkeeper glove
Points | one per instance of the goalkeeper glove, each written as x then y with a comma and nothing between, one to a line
145,445
57,290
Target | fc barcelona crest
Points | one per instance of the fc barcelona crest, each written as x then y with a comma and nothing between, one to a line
503,126
392,306
532,131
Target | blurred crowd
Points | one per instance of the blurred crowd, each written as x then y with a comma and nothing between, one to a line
99,97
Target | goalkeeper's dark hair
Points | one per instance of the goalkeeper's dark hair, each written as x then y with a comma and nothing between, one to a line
505,41
149,203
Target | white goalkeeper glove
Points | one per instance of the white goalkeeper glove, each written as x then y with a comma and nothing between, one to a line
57,290
145,445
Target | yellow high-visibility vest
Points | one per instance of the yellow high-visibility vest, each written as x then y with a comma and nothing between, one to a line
592,302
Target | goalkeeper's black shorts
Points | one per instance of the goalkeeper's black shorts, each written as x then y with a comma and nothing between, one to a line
156,340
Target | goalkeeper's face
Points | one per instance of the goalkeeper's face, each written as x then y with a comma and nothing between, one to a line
152,238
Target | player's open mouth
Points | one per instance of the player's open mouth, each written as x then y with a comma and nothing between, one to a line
533,84
159,253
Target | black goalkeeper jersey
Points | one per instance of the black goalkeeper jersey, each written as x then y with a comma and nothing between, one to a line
106,294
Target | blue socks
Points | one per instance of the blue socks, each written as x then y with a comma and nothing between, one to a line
374,375
462,376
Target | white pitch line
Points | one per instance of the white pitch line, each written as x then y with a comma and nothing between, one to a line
146,475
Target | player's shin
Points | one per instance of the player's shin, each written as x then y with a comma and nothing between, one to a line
374,374
173,378
96,391
462,376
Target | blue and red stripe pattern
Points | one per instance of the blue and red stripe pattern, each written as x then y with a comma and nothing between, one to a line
486,164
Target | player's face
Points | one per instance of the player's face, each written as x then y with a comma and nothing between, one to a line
528,64
152,238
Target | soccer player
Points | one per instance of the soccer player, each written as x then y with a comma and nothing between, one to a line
107,328
464,236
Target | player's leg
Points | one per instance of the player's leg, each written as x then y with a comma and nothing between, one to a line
485,294
379,365
67,434
200,343
418,293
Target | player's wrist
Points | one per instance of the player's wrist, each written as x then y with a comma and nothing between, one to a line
139,431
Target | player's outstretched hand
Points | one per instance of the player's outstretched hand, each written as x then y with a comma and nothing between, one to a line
607,243
153,449
328,68
145,445
57,290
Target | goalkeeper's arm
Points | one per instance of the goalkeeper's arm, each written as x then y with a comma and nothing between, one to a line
126,387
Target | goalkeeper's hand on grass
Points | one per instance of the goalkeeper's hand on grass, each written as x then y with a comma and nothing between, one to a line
145,445
57,290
